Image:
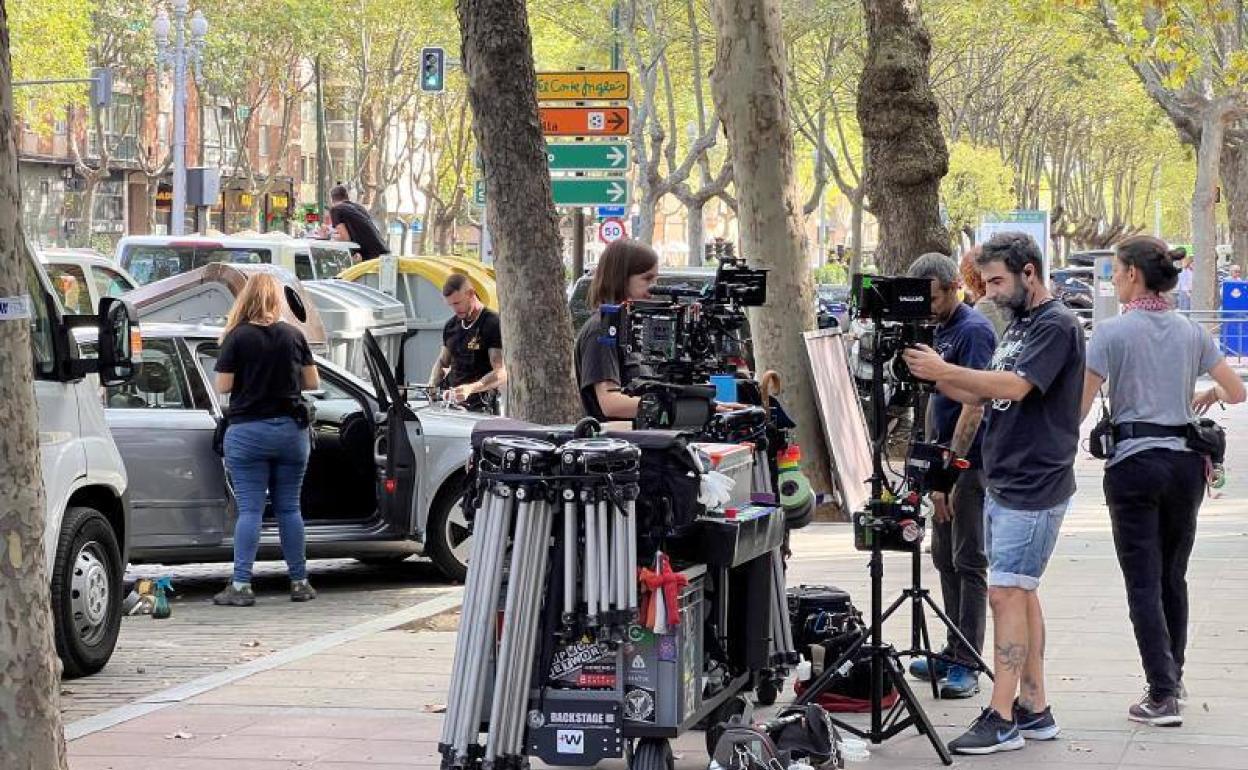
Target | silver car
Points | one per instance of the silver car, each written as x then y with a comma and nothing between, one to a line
383,481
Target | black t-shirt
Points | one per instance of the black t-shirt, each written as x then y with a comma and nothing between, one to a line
967,339
470,348
600,358
1029,445
360,227
267,363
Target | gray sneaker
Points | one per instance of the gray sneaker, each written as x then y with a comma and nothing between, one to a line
1181,695
1158,713
235,597
301,591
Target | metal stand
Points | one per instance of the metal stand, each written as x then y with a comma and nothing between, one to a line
885,665
920,640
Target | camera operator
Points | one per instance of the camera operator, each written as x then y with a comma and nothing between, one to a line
1030,439
966,338
626,270
1150,358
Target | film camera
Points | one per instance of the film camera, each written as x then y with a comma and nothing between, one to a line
683,336
900,311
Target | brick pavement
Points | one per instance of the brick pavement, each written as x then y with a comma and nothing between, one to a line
201,639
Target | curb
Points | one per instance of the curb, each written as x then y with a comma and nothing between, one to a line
449,600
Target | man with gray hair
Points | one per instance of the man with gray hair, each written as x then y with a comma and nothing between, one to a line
964,337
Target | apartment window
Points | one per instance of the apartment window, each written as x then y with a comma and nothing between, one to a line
121,121
220,137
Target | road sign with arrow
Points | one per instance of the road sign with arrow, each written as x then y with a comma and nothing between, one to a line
581,191
584,121
584,156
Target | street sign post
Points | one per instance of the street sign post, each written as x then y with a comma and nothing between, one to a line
584,156
582,191
584,121
611,230
611,86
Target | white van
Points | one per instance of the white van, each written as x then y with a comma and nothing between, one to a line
88,517
150,258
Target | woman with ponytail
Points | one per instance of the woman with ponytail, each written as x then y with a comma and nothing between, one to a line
1149,359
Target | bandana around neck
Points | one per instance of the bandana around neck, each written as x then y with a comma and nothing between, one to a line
1151,302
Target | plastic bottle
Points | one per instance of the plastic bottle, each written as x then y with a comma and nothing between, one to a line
853,749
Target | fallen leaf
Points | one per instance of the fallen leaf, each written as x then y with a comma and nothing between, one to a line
180,735
434,708
1205,706
252,643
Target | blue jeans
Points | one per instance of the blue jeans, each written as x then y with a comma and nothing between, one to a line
1019,543
266,460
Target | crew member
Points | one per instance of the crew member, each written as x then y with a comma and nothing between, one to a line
1030,439
1150,358
471,359
966,338
626,270
352,222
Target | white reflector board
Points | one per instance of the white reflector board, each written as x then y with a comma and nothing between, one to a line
840,411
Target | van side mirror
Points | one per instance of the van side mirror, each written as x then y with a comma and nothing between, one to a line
120,344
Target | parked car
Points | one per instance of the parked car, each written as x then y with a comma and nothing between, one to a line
1073,286
87,517
832,306
81,277
383,481
153,257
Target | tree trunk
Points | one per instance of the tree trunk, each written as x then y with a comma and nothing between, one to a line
906,156
645,219
751,94
695,229
855,231
1204,214
90,185
31,737
537,329
1235,185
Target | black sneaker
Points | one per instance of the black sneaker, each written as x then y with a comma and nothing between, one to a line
1036,726
1181,695
301,591
235,597
989,734
1163,712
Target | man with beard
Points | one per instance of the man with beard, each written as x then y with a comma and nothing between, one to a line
1032,393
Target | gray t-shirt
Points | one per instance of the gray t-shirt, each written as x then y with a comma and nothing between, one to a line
1150,361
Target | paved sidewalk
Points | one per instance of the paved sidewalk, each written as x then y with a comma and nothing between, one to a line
369,702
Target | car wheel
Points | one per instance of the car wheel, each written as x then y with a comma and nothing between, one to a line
448,538
86,592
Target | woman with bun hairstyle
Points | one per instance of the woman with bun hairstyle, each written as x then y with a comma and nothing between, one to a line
1149,359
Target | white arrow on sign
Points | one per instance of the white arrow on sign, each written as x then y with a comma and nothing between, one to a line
617,156
616,192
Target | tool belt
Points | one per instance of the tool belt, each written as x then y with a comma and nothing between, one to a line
1129,430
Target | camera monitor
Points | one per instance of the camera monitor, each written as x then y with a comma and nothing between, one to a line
892,298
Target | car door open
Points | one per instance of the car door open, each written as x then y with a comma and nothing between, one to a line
398,433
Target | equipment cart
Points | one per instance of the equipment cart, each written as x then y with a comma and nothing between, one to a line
605,611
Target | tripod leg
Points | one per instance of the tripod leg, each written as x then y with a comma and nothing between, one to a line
917,714
957,632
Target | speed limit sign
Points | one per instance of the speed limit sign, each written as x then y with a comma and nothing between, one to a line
611,230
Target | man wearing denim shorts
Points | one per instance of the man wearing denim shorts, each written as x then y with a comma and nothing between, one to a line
1032,395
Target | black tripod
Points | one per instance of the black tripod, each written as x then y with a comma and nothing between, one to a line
920,639
885,664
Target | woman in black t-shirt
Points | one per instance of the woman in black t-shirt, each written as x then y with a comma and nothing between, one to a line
626,271
264,364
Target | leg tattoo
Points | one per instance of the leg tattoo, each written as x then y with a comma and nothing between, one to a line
1012,656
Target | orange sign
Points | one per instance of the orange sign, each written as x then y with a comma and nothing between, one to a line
584,121
611,86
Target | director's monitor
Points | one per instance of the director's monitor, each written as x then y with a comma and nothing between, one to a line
840,413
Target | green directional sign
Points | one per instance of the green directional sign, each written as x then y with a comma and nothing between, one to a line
589,192
584,156
478,193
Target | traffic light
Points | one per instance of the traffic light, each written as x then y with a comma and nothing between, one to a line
432,70
101,87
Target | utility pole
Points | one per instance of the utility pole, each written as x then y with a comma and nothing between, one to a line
178,57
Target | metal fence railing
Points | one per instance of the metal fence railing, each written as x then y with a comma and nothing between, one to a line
1228,327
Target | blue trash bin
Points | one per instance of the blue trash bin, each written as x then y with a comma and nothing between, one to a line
1234,334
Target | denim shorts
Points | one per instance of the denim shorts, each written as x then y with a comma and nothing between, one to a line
1019,543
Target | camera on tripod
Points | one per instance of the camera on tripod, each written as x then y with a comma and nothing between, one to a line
900,311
